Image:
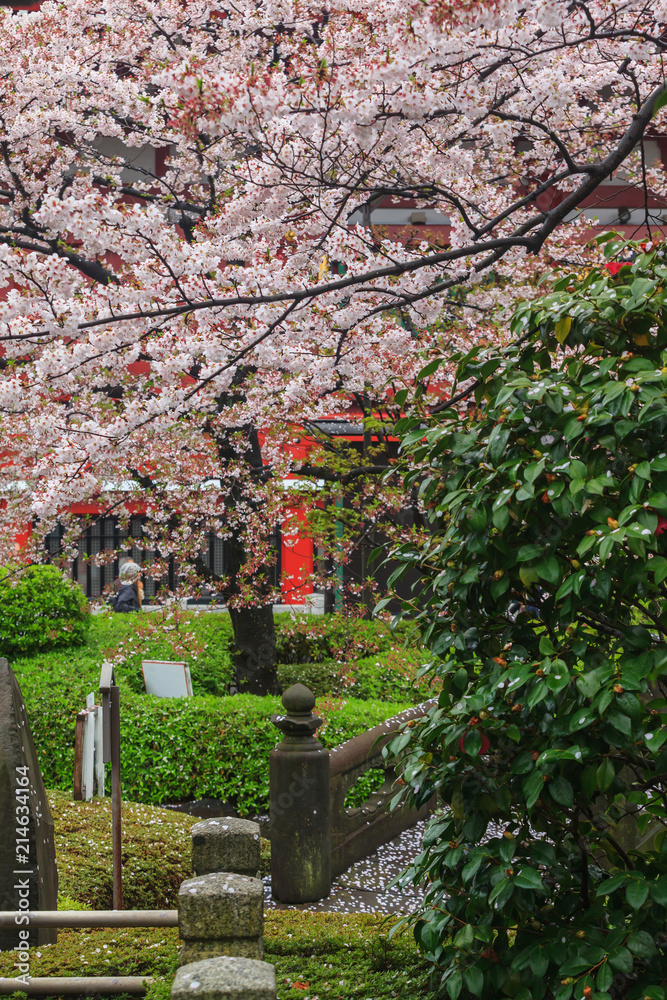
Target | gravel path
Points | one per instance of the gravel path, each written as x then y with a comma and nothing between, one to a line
363,887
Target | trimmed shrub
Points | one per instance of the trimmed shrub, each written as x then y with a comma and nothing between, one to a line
318,638
176,750
201,639
173,749
363,788
321,678
41,609
393,675
385,676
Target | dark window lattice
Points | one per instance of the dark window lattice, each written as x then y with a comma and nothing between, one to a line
106,534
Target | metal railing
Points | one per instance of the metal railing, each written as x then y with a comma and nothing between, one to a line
69,985
90,918
80,985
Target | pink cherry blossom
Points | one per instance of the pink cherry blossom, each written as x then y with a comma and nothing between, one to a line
196,232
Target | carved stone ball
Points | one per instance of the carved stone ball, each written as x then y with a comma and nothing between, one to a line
298,700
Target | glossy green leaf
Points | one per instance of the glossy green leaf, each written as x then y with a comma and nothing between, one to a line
465,937
430,368
539,962
605,774
548,569
561,791
604,978
621,960
528,878
658,890
636,894
474,980
642,944
454,985
472,742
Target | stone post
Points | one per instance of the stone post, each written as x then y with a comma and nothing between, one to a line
28,873
221,978
226,845
299,796
221,914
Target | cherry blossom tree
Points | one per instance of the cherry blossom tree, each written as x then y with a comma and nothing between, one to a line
190,267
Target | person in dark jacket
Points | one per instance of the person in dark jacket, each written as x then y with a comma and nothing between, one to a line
130,593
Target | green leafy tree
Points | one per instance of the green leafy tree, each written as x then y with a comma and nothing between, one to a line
545,608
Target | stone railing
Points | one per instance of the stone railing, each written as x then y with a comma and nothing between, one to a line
314,837
357,832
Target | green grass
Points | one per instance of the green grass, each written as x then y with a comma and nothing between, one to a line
316,955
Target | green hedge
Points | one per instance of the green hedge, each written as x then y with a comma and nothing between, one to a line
202,639
191,748
172,749
175,750
358,658
319,638
321,678
178,749
386,676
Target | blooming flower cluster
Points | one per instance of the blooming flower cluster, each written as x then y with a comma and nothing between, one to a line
187,243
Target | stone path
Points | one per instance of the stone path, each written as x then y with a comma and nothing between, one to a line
363,887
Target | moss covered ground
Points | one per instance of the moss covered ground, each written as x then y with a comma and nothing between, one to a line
156,853
317,955
336,956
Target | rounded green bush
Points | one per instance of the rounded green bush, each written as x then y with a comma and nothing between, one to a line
40,609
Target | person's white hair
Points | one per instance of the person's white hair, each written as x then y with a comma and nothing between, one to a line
129,572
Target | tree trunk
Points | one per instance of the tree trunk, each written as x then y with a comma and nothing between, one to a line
254,636
255,652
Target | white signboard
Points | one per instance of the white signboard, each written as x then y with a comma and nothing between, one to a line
88,768
88,757
167,679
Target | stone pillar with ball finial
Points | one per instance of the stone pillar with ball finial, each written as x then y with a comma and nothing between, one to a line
299,795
